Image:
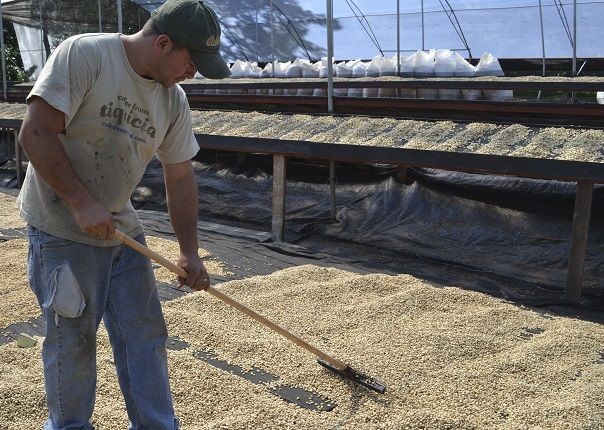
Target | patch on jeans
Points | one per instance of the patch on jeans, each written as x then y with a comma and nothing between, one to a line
66,297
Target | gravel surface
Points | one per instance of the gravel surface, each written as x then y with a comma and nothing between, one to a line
169,249
12,110
9,213
482,138
451,359
17,302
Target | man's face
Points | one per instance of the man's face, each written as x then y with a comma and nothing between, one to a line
174,66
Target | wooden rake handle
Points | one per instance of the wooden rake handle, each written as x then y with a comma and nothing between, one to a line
127,240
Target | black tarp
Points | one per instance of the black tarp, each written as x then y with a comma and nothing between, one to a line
495,227
513,227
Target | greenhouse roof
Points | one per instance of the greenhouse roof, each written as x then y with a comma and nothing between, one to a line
365,28
362,28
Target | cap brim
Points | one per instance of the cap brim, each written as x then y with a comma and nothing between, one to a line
211,66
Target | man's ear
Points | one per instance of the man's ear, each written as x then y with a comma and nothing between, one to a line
163,43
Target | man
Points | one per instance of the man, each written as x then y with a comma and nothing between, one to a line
103,106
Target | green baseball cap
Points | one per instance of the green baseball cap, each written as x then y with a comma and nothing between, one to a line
195,26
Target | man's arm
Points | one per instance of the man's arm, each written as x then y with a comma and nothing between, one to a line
181,194
39,139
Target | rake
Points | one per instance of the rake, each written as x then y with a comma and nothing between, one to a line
327,361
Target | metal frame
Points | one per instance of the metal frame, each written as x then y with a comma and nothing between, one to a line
329,55
449,11
562,170
434,83
584,173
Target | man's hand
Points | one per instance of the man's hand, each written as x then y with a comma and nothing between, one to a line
198,278
94,218
181,191
39,138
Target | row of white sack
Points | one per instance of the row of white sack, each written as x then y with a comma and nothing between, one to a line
600,97
439,63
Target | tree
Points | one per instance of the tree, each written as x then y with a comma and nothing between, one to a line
247,25
14,64
62,19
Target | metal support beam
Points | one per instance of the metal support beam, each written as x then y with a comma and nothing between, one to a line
3,50
398,38
272,38
332,187
542,40
423,29
578,244
330,56
575,38
120,26
279,185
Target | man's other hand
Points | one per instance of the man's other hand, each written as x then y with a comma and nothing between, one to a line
198,277
95,219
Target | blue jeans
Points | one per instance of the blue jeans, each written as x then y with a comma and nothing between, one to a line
77,285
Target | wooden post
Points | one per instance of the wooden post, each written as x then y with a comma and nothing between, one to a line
402,175
332,187
578,244
18,158
8,148
278,224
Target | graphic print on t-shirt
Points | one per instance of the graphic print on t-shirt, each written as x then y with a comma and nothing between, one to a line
130,114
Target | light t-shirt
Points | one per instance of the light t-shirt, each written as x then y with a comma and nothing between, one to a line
115,122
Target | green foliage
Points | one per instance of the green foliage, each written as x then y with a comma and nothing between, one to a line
14,65
238,19
62,19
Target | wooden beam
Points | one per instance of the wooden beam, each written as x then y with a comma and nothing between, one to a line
18,158
578,244
279,188
332,188
525,167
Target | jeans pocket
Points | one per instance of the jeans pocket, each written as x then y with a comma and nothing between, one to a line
66,298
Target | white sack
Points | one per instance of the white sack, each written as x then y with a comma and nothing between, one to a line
358,71
387,68
280,73
238,71
444,66
253,72
344,70
423,67
266,73
309,70
489,66
407,70
294,70
323,73
373,71
466,70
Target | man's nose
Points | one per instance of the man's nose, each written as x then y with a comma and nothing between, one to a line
191,69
